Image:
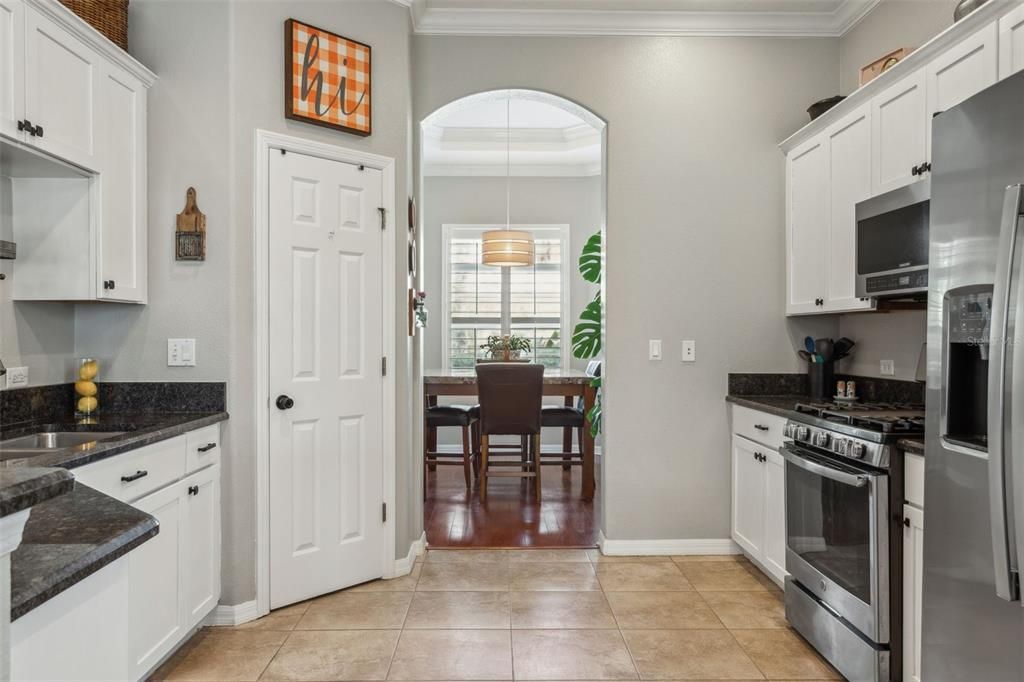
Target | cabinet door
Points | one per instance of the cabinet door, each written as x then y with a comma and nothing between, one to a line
61,82
747,495
200,564
121,237
913,559
12,67
899,133
849,152
774,558
807,215
1011,42
156,604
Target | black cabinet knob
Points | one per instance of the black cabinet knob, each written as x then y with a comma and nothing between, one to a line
906,522
38,132
193,490
284,402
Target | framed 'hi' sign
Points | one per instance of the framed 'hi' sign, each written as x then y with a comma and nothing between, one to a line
327,78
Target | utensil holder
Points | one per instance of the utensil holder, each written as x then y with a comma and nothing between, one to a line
821,380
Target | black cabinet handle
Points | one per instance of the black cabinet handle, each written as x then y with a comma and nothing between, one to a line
38,132
112,284
142,473
207,447
284,402
760,427
926,167
193,490
906,522
916,170
24,125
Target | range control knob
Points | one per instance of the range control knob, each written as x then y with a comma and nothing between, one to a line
821,439
856,450
802,433
839,445
789,430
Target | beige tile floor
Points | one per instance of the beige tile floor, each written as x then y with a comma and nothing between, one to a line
547,615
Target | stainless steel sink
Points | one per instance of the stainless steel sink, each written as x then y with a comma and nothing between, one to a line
56,440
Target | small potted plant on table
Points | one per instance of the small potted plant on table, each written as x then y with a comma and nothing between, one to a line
508,348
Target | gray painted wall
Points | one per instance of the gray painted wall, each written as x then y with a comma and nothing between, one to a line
894,336
216,87
695,219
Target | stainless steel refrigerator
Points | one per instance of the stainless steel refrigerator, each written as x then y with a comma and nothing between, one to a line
973,623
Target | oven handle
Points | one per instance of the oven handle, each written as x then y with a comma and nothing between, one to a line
793,457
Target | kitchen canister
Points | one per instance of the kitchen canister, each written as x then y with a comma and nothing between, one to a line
821,380
86,391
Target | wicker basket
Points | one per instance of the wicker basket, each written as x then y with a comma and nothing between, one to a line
109,17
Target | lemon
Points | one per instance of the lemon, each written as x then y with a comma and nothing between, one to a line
88,371
87,404
85,388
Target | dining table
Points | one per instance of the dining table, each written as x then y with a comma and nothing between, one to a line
570,384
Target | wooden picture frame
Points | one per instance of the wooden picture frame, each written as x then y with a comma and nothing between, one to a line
337,97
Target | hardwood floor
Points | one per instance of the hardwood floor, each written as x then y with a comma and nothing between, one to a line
511,516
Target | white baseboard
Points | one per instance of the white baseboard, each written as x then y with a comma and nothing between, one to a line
226,614
404,565
662,547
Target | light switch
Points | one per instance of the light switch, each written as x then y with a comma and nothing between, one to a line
689,350
655,349
887,368
181,352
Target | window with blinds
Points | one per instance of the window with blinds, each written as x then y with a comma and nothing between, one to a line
482,300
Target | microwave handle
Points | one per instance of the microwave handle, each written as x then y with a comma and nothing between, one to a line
793,457
1003,550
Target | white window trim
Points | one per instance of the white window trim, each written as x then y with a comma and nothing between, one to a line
448,229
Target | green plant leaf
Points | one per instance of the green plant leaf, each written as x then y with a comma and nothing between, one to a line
590,259
586,337
595,416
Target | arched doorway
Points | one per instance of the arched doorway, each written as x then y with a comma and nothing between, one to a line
527,160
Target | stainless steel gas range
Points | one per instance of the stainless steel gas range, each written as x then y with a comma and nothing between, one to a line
844,503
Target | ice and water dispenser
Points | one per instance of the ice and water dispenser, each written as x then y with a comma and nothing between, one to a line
968,313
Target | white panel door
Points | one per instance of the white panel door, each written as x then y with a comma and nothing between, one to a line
747,495
61,80
807,215
913,572
155,604
121,272
899,133
200,565
849,152
1011,42
326,303
774,513
12,67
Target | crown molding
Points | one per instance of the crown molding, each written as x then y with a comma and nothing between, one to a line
430,20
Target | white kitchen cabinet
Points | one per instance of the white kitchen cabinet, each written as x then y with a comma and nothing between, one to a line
807,215
913,560
12,66
748,495
200,559
1011,42
62,76
899,134
849,181
774,555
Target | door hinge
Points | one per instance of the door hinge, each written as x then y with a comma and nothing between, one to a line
383,217
384,512
384,366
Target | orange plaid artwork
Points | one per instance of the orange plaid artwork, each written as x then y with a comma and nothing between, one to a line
327,78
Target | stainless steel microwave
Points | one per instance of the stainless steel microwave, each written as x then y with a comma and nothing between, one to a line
892,243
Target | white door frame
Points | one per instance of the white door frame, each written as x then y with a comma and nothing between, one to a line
266,143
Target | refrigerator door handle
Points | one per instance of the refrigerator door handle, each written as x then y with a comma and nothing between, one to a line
1000,345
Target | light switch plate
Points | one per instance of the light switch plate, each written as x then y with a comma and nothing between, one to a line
655,349
689,350
181,352
17,377
887,368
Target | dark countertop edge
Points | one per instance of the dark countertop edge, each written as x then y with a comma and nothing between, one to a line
767,403
34,489
94,561
912,445
141,438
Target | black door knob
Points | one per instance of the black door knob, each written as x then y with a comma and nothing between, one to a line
284,402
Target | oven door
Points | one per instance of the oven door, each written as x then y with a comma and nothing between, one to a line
837,537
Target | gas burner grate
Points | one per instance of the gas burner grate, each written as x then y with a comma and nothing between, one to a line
896,418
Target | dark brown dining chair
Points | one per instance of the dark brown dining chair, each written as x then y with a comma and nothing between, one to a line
440,416
510,403
569,417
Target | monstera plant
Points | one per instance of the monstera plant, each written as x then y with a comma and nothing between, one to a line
586,337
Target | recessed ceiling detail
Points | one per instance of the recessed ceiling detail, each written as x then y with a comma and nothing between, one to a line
826,18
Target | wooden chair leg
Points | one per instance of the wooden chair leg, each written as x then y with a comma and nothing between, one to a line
475,431
567,440
467,464
431,446
524,446
536,463
484,444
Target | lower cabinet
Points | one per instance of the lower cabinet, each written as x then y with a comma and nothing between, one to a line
913,559
758,504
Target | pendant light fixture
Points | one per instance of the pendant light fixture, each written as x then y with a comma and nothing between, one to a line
508,247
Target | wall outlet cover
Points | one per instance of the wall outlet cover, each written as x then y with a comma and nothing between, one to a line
887,368
17,377
689,350
181,352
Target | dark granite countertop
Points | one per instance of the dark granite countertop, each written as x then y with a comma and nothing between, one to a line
140,429
26,487
781,405
69,538
913,445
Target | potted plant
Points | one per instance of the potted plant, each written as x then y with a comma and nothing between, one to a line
508,348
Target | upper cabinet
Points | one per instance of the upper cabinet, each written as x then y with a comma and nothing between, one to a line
807,215
73,132
899,135
1011,42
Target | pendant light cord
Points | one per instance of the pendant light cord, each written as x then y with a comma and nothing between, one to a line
508,161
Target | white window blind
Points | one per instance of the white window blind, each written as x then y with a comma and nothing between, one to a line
482,300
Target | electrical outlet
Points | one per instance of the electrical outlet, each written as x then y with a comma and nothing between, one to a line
17,377
181,352
887,368
654,349
689,350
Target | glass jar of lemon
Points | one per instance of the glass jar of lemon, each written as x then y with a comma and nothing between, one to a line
86,400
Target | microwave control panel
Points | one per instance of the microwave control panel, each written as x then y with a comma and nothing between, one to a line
917,279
